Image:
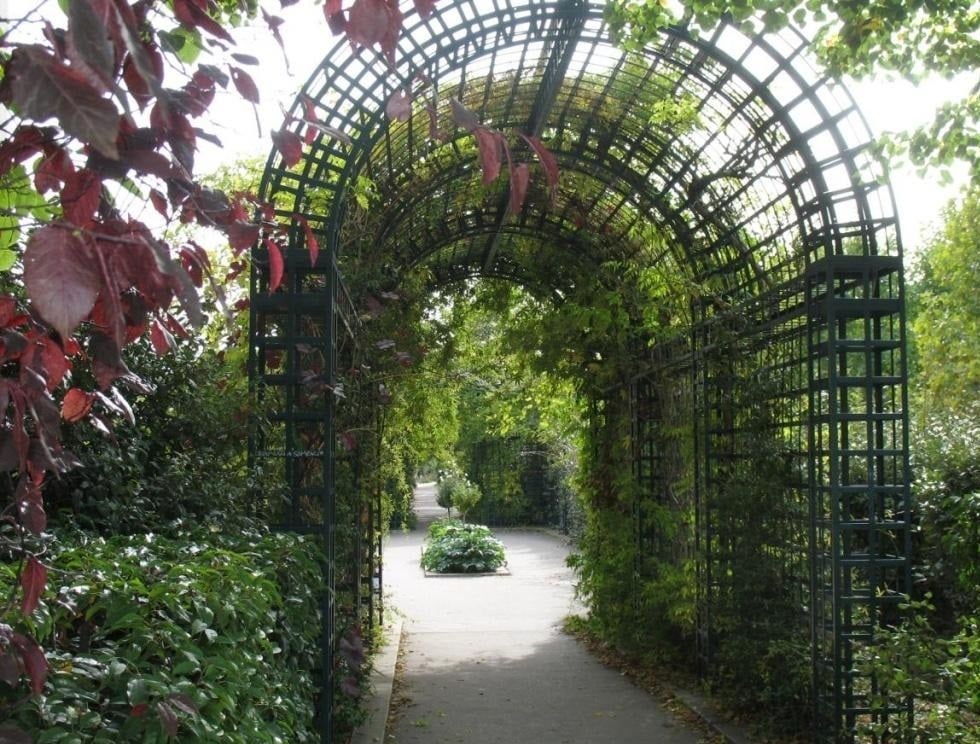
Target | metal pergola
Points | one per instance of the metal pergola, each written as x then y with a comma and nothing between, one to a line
754,193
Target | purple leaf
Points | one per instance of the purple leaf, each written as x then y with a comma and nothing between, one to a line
60,278
489,143
290,145
463,117
33,659
519,177
399,106
244,84
425,7
89,48
168,719
548,162
43,87
33,579
276,266
368,22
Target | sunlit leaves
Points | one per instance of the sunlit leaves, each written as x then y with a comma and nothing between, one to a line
76,404
20,204
161,339
50,361
220,650
857,39
191,15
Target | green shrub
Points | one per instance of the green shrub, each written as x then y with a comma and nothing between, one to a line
454,489
941,674
180,462
206,638
465,496
458,547
441,526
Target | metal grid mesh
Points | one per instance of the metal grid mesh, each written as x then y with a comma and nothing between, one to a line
727,164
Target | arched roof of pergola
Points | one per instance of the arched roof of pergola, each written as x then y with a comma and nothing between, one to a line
725,159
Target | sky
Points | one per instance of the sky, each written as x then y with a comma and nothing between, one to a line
886,105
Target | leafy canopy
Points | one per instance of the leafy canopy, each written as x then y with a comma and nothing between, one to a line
861,39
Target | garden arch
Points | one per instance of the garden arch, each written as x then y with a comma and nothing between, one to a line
753,193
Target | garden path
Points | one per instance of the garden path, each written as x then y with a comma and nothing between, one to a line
484,660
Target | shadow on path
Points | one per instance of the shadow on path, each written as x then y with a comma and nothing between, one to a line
485,661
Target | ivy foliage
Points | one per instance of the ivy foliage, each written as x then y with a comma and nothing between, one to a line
151,639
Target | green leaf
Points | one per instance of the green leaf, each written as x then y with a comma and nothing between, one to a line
7,257
137,691
186,45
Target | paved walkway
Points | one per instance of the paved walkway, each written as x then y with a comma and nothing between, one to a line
485,661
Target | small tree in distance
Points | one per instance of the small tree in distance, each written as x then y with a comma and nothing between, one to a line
455,490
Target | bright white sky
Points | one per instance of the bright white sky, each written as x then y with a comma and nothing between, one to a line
887,105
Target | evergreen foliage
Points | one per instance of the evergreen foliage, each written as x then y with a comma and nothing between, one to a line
205,637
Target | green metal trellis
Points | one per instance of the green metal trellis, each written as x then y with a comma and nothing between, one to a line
769,209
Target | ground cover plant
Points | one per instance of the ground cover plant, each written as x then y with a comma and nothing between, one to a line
454,546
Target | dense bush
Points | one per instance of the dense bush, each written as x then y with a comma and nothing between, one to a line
940,672
181,458
204,638
457,547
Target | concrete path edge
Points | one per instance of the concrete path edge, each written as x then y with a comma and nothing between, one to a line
372,731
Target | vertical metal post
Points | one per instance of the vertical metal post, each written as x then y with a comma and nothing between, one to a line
860,482
702,532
